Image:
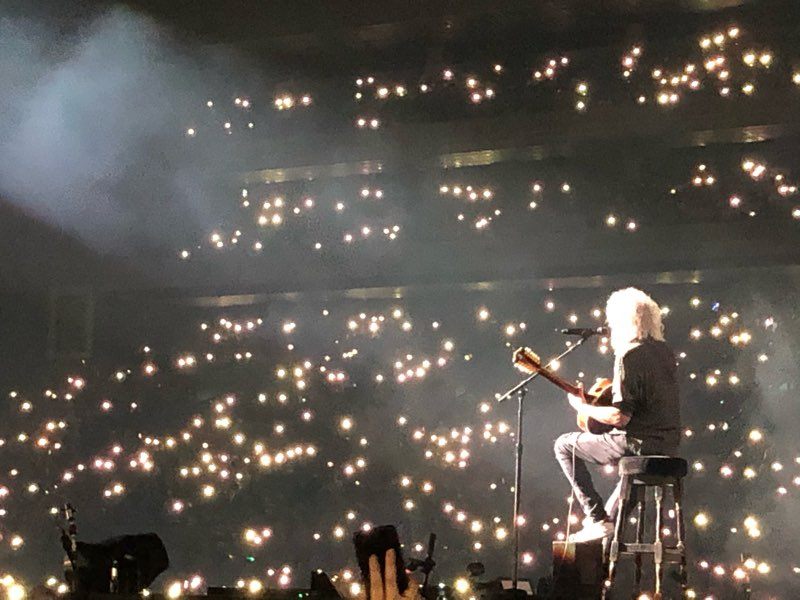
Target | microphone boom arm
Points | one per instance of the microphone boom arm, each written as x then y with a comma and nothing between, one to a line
522,384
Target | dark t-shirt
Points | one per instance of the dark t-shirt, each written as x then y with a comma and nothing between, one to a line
647,391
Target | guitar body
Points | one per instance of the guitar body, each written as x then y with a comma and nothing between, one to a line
600,394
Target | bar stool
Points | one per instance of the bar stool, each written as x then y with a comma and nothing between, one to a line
638,474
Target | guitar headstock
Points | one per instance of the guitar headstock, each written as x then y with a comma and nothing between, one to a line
527,360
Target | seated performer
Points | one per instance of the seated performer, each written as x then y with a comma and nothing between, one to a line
645,412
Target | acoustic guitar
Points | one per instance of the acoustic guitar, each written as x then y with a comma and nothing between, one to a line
600,394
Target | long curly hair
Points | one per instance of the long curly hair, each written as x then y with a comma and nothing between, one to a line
633,316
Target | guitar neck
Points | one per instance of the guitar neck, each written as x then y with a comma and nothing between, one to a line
560,382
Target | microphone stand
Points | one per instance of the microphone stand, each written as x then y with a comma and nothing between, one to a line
521,390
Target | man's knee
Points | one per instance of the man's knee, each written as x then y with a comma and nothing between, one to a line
563,445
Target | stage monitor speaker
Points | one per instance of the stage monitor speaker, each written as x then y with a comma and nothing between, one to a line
578,572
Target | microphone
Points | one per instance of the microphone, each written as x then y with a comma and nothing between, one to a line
585,331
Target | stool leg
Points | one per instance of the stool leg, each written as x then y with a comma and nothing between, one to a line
641,496
677,492
613,555
658,551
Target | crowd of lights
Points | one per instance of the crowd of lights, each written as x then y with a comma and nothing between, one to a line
727,62
217,451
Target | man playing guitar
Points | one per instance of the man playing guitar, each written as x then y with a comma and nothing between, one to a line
643,415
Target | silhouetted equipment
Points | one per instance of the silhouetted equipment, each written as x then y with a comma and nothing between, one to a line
476,569
426,564
321,585
321,588
124,565
69,540
502,588
266,594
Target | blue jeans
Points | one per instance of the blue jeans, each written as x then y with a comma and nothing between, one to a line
604,449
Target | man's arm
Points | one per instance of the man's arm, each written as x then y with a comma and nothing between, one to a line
610,415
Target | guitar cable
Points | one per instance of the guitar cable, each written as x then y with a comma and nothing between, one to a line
571,500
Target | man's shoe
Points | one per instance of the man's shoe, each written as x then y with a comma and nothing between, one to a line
592,531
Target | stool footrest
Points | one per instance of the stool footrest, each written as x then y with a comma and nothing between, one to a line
669,554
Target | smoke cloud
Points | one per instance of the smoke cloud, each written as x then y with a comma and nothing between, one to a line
91,133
